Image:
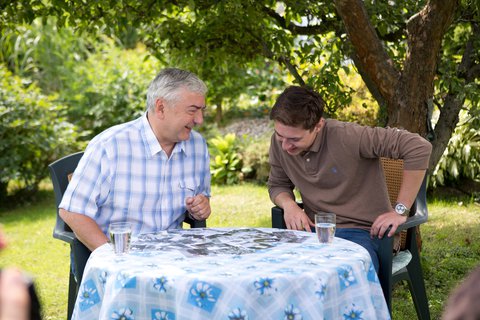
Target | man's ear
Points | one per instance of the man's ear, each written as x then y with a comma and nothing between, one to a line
160,108
320,124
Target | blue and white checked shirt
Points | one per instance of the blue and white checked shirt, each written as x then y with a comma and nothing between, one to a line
125,176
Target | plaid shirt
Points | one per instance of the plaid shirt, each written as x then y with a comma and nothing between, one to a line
125,176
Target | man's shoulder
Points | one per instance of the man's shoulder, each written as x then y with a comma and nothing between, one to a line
117,131
337,125
341,124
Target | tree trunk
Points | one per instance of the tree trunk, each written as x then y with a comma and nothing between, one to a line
373,59
445,126
408,108
407,93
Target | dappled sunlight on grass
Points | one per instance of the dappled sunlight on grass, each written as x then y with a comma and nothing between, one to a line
246,205
451,244
451,248
32,248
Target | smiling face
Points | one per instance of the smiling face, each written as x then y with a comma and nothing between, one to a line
174,120
184,114
295,140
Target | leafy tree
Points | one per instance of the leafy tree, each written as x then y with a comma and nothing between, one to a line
414,56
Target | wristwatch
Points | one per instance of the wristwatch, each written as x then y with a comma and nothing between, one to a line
401,209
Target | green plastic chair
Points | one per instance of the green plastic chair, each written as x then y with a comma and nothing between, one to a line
60,173
405,265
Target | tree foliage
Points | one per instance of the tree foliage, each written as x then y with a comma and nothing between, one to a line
461,159
33,133
414,56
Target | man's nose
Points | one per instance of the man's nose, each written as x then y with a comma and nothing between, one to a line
285,144
198,119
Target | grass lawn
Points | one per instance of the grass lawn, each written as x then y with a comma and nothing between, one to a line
451,244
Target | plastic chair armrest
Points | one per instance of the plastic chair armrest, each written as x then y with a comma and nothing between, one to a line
412,222
66,236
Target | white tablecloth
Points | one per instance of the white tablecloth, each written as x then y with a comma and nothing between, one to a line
231,274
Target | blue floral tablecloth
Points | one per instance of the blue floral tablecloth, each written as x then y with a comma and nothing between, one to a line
229,274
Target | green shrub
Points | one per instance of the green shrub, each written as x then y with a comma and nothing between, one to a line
44,53
102,84
33,133
109,87
461,158
226,161
255,159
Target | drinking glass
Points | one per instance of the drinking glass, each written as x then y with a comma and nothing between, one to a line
120,234
325,224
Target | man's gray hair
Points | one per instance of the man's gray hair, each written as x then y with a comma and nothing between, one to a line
169,81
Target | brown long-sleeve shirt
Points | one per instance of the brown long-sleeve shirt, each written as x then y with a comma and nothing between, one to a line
342,173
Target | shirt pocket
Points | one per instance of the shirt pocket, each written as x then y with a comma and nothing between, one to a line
188,187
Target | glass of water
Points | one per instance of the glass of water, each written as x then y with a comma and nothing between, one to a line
325,224
120,234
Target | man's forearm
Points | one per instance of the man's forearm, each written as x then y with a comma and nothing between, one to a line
284,200
412,180
85,228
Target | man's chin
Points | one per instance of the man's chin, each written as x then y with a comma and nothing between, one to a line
293,152
185,135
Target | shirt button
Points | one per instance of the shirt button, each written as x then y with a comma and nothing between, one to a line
308,159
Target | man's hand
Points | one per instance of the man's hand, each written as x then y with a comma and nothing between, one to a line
198,207
297,219
384,221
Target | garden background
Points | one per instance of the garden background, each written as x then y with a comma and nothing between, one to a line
70,69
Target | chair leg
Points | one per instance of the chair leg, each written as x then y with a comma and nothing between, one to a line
72,294
417,283
417,289
387,292
385,271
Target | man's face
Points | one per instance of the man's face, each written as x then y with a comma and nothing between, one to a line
182,115
295,140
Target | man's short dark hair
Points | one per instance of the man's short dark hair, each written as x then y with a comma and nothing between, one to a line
298,107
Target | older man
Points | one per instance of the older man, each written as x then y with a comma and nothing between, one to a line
148,171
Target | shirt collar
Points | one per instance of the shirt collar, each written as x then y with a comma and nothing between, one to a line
152,145
151,142
317,143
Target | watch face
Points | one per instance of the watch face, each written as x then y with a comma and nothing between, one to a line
400,208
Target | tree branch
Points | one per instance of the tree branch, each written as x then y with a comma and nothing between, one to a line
372,87
280,59
373,58
472,70
324,27
423,40
453,102
292,69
